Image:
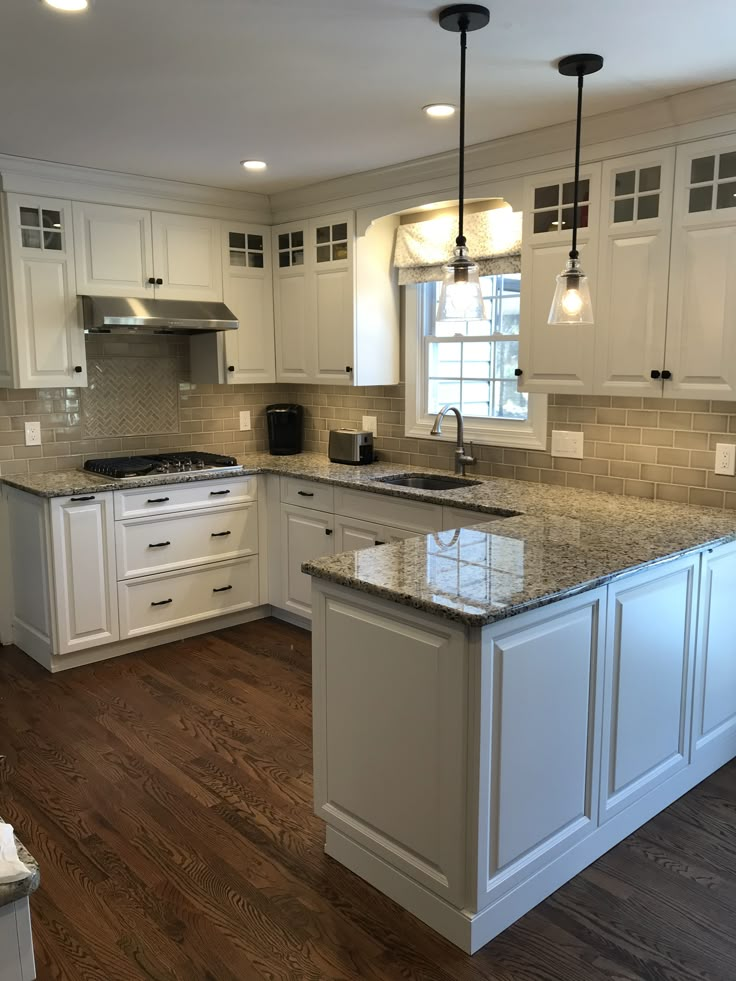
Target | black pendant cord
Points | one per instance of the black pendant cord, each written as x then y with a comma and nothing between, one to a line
576,190
460,240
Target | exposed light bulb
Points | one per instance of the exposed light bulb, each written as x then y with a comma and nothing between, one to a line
69,6
572,302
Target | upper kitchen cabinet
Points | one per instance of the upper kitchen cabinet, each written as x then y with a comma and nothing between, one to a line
44,338
137,253
700,350
556,359
633,270
247,354
336,302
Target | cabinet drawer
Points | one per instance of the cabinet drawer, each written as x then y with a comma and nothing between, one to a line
175,598
162,498
164,543
413,516
307,494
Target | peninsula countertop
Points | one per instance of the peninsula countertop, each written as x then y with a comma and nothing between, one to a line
561,541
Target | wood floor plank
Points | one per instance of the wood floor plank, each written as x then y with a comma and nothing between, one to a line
168,797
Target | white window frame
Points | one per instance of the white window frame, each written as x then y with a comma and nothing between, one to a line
527,434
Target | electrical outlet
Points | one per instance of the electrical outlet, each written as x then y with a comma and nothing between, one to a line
370,424
33,433
725,459
567,444
245,419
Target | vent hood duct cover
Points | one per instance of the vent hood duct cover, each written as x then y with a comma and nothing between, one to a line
107,314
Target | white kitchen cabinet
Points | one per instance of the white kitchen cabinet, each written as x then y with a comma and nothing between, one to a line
648,685
305,534
114,250
352,534
633,271
135,252
248,291
714,701
44,341
701,342
561,358
83,550
335,302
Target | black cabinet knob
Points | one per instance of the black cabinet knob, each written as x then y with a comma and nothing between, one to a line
151,281
518,372
666,374
656,374
78,369
348,369
328,531
159,282
231,367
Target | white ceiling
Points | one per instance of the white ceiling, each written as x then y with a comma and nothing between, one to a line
185,89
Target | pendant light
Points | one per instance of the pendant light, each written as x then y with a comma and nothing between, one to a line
571,303
461,297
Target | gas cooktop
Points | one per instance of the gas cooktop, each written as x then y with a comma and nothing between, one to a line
122,467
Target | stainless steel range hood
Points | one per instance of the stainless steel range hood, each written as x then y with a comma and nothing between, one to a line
108,314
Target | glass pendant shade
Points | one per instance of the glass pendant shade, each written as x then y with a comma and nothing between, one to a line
571,303
461,297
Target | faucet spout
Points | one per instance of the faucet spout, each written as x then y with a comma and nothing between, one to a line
462,459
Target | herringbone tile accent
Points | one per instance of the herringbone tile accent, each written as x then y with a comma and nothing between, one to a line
131,397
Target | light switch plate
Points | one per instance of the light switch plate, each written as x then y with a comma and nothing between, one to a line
245,420
33,433
370,424
569,444
725,459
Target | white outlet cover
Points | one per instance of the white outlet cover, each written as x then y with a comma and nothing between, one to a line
370,424
245,420
568,444
33,433
725,459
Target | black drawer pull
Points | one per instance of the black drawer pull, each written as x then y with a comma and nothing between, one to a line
218,493
305,493
221,589
220,534
87,497
379,543
157,500
158,544
163,602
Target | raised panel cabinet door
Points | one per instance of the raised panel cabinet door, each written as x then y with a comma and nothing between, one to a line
633,274
701,342
714,704
305,535
83,549
332,264
113,250
351,534
293,313
648,685
248,291
556,359
391,736
186,257
46,314
540,691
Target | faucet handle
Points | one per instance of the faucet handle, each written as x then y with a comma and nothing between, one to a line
469,452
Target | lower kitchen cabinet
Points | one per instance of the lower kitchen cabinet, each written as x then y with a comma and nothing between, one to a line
305,534
649,672
714,701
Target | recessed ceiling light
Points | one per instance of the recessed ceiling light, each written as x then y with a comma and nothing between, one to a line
69,6
439,110
253,164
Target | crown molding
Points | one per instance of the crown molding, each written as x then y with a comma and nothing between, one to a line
691,115
25,175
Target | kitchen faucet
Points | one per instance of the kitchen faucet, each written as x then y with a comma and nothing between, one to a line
462,459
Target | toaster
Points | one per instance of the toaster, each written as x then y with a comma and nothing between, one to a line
350,446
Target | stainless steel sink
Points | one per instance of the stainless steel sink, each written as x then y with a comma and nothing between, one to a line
423,481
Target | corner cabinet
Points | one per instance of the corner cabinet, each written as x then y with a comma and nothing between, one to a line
43,343
335,302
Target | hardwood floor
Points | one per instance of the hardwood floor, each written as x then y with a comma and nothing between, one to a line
167,797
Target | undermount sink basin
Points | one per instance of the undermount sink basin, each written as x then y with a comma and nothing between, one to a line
428,481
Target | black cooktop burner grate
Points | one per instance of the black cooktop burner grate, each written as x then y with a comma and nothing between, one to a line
140,466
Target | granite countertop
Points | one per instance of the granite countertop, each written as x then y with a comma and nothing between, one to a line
11,892
560,541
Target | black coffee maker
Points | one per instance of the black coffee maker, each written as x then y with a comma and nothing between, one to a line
285,423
